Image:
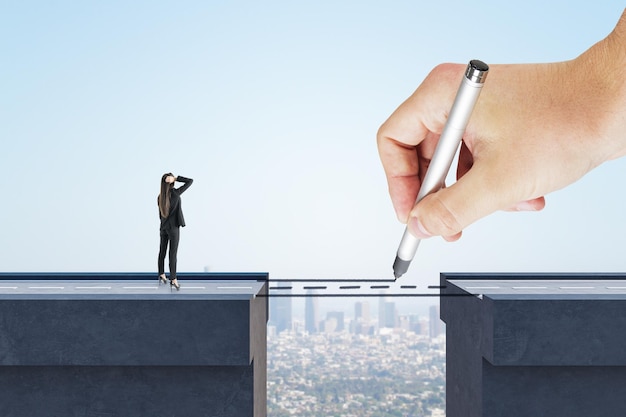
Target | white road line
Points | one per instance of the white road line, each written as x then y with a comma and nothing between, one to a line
8,288
140,288
529,288
616,288
577,288
193,288
46,288
482,288
234,288
92,288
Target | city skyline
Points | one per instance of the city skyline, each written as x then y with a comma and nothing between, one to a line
356,317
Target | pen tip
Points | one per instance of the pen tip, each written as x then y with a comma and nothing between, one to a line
400,266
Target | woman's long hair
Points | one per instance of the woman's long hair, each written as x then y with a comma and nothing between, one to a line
164,196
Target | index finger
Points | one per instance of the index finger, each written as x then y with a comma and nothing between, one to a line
407,140
405,166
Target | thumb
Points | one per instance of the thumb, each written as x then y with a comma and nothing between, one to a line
448,211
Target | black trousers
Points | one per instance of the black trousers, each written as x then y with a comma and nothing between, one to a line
171,236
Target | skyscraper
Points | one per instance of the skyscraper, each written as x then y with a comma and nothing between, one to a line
311,311
280,310
382,300
361,323
435,325
391,315
362,311
387,314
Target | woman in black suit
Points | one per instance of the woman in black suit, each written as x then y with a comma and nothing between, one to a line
171,215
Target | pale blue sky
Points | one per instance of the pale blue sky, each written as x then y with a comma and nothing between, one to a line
272,108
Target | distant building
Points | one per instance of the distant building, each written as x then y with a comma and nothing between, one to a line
416,324
362,322
387,313
435,324
337,316
382,300
359,327
362,311
311,312
404,323
280,310
328,326
391,315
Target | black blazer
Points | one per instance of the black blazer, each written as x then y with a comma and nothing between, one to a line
175,218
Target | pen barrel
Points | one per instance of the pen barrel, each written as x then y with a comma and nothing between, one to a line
408,246
452,133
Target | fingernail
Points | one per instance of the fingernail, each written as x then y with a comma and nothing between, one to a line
525,206
417,229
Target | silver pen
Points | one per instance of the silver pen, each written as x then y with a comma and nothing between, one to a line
447,146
